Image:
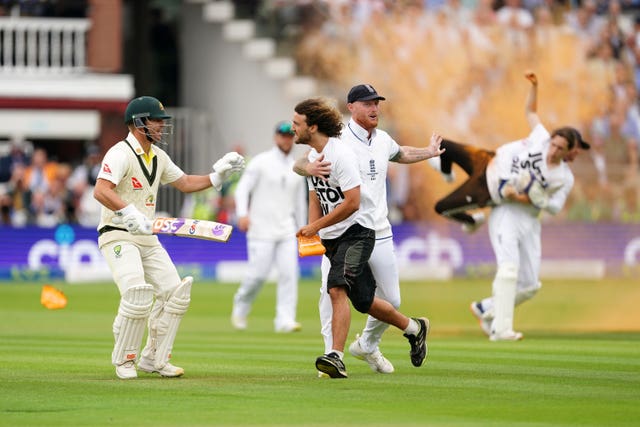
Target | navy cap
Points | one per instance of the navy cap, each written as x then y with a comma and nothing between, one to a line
363,93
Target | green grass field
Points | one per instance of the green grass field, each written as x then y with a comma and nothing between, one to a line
579,364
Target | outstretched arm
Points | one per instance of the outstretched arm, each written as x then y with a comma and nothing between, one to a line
409,154
531,108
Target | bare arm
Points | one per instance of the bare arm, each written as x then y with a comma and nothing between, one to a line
191,183
105,194
531,107
350,204
408,154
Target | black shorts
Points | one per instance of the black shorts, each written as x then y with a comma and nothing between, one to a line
349,257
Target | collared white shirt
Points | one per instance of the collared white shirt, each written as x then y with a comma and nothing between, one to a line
136,180
373,156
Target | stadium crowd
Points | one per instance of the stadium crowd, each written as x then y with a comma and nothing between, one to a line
37,190
449,65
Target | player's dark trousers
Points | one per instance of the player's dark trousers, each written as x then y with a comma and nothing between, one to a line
473,193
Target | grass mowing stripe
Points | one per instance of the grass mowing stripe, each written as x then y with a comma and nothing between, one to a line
55,366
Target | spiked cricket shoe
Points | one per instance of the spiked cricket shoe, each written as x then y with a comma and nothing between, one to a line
478,313
506,336
127,370
239,322
167,370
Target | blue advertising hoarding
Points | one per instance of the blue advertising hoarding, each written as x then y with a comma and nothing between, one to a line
33,253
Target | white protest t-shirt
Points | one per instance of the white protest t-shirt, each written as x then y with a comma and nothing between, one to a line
345,175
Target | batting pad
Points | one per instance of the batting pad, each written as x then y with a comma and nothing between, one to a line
129,324
169,320
504,295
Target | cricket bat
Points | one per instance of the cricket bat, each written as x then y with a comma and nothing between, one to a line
194,228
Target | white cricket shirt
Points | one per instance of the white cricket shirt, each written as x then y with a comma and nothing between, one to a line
373,155
530,154
136,180
272,195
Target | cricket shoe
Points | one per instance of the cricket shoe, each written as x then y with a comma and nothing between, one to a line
478,312
127,370
479,218
167,370
419,349
288,328
376,360
506,336
239,322
435,163
331,365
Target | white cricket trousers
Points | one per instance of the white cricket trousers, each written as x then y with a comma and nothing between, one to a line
133,265
262,256
384,266
515,238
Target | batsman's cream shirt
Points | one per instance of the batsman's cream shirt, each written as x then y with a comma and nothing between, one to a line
272,195
137,178
373,155
345,175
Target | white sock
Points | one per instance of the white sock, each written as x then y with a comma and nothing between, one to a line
413,328
339,353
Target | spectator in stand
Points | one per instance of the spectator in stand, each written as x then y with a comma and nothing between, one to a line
584,21
15,200
18,149
633,46
517,21
41,172
81,184
51,207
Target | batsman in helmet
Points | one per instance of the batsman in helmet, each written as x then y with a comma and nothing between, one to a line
152,293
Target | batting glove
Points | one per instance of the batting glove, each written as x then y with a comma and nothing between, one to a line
223,168
134,221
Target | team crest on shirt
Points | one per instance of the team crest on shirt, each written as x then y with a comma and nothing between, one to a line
372,170
135,183
150,201
117,250
106,169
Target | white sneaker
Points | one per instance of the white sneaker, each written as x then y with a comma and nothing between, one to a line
290,327
485,324
127,370
479,218
167,370
376,360
239,322
506,336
